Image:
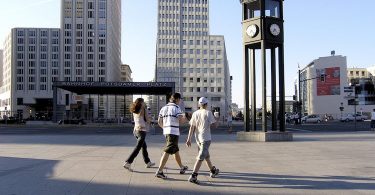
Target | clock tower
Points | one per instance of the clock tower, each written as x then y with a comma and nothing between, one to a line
263,31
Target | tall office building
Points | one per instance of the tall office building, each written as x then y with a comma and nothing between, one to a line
189,56
31,64
1,67
91,48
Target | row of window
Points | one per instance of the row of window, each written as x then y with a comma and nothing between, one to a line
79,48
184,25
185,1
55,72
202,89
33,33
201,70
89,71
32,56
43,48
90,41
67,64
191,42
190,51
31,87
32,79
184,8
33,41
191,99
89,79
184,33
351,73
101,26
90,56
204,80
42,64
184,17
79,13
189,60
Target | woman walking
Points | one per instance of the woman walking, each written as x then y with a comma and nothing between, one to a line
141,124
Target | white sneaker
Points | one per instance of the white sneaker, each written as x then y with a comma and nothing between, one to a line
150,164
128,166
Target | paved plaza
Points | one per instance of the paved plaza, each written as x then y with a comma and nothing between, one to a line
314,163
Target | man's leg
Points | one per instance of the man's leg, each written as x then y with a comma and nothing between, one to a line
198,165
209,163
178,159
163,161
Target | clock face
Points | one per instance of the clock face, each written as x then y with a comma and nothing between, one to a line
275,29
252,30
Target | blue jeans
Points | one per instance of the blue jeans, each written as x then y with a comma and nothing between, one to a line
141,144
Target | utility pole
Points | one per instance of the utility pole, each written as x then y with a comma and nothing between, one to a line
299,105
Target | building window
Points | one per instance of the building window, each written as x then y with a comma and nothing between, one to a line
19,86
215,99
19,101
31,87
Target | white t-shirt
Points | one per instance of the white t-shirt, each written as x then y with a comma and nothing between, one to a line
139,122
372,115
202,119
170,114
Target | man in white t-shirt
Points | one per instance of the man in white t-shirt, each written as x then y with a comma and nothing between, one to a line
373,120
170,117
200,124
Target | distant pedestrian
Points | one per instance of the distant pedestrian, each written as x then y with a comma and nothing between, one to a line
296,119
141,126
229,122
170,117
200,124
373,120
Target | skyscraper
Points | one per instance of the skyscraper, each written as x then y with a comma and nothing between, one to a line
91,46
91,37
1,67
189,56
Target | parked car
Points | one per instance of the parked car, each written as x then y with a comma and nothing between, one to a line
73,121
351,117
313,118
362,117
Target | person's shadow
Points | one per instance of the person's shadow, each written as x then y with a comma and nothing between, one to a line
256,180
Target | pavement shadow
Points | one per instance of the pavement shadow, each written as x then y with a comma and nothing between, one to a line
37,176
254,180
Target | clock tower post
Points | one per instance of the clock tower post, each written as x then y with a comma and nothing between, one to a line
263,30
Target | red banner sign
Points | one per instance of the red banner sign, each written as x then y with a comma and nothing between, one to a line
328,81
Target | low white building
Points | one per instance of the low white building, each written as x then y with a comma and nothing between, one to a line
31,64
322,85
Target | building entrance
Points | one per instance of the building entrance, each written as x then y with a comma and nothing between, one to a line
101,95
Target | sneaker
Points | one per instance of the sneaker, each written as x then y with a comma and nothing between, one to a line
128,166
183,169
193,178
160,175
214,172
150,164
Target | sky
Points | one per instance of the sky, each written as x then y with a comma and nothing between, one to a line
312,30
